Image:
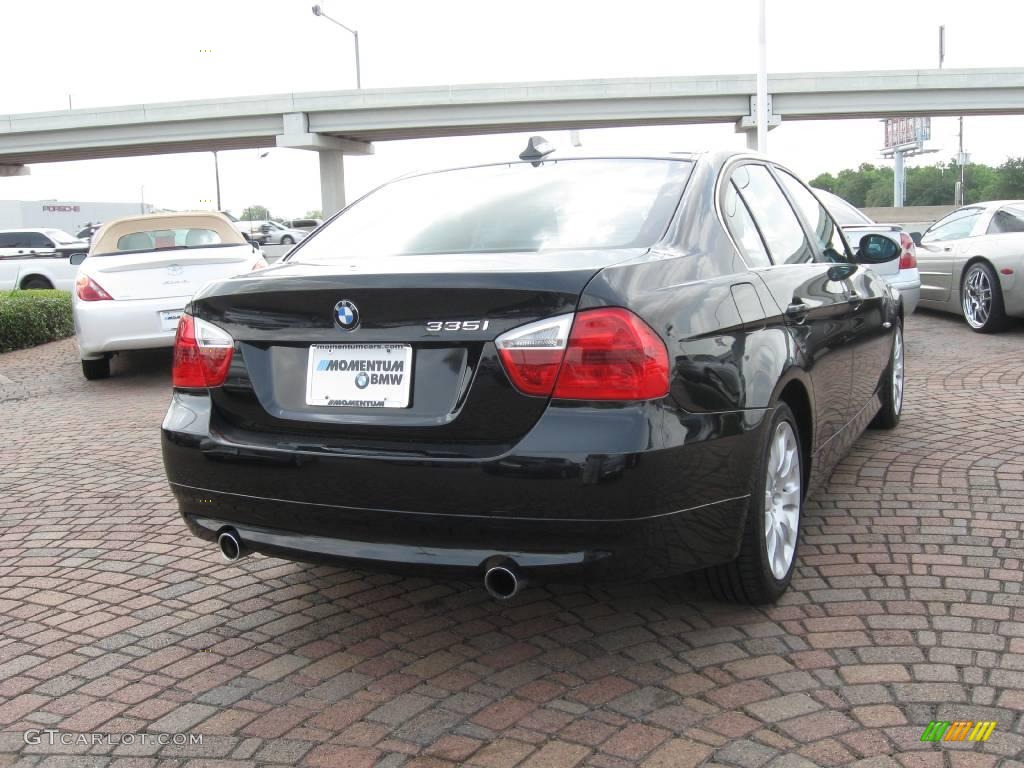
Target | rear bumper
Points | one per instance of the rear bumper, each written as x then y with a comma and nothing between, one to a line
909,288
115,326
665,505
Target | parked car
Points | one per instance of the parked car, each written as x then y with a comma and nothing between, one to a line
38,258
972,264
268,232
139,275
902,274
306,225
275,233
605,366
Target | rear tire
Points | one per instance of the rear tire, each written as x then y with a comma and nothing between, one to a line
287,240
96,369
892,385
36,283
764,567
981,299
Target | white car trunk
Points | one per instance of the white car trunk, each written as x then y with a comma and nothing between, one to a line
159,274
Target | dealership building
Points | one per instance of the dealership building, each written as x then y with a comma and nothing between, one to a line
69,215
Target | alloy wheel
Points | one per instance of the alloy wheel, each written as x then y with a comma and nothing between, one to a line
977,298
897,371
782,500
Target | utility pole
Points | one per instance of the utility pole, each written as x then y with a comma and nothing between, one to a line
762,79
962,161
216,176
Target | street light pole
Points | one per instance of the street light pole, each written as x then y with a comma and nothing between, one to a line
216,175
318,11
762,79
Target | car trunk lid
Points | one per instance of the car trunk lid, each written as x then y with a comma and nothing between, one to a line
171,272
438,316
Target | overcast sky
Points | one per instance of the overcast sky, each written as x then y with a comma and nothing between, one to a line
111,52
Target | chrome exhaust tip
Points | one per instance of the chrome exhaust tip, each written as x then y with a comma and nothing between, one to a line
230,546
503,580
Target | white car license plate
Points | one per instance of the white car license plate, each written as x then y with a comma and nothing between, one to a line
169,319
359,375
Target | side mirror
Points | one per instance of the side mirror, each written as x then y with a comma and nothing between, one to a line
916,237
877,249
265,229
839,272
78,258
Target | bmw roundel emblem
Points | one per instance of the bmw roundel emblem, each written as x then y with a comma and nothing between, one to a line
346,315
362,380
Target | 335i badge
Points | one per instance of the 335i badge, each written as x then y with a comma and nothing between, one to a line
616,367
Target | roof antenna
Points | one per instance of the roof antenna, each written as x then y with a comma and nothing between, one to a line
537,148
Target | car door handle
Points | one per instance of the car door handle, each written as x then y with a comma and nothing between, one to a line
855,299
797,311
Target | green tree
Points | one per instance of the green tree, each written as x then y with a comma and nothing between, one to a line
931,185
824,181
1010,184
255,213
316,213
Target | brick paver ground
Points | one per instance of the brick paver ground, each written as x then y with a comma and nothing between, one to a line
907,607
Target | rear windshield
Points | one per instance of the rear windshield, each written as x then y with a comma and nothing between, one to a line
154,240
565,204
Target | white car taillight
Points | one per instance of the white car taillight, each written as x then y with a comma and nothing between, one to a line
88,289
908,256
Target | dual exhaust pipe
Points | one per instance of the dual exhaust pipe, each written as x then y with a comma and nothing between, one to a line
230,544
502,578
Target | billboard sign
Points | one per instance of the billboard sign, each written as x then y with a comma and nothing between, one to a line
907,130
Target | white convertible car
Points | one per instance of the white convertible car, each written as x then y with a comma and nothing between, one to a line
140,273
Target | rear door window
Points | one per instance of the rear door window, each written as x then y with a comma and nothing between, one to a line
743,229
775,218
37,240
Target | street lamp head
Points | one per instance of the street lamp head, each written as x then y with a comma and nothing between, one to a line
318,11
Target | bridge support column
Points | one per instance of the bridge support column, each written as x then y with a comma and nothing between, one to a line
332,182
332,151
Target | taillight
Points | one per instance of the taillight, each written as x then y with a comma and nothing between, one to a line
89,290
202,354
908,258
532,354
601,354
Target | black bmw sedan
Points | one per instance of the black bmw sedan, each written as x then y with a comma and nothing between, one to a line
614,367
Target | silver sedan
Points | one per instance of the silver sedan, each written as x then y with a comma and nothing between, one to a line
971,263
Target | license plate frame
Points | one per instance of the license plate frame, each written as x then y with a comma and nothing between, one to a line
340,384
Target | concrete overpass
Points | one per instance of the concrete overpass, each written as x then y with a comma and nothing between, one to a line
348,122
